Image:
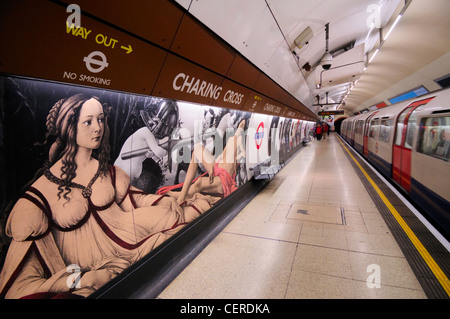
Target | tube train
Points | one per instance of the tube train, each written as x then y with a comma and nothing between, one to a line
409,142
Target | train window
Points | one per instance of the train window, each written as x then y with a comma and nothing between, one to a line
434,137
385,130
374,125
359,127
412,127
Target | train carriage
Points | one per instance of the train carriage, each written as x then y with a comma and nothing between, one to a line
409,142
380,148
358,133
430,166
346,129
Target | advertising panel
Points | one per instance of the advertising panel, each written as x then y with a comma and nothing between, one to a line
93,180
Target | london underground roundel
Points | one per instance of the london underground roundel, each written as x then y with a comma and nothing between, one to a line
259,135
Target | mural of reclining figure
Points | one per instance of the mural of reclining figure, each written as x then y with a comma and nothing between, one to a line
83,212
221,170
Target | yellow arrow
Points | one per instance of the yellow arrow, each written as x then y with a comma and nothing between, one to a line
129,48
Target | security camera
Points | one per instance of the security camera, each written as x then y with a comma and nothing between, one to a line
326,61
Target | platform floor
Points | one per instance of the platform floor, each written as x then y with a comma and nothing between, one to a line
313,232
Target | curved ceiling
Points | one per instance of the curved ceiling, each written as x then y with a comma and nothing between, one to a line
264,31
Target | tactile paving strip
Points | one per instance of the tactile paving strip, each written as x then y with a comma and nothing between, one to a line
430,284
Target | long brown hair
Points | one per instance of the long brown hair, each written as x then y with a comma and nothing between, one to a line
61,125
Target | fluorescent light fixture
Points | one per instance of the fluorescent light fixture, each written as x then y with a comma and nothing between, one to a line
393,26
374,54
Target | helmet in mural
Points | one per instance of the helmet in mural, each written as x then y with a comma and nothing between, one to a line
165,121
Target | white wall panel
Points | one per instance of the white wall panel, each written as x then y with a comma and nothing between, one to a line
246,25
232,20
283,68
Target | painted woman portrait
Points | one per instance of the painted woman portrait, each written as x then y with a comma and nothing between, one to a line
83,213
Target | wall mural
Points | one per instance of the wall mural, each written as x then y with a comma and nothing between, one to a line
93,180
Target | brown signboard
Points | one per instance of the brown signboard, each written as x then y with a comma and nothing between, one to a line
273,107
194,42
233,95
183,80
243,71
289,112
262,104
156,21
110,51
39,42
186,81
254,103
330,112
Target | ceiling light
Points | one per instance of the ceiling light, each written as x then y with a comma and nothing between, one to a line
392,28
407,3
374,54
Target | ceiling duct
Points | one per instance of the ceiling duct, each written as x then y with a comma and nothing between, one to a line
343,49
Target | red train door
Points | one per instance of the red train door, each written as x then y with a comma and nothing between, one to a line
366,135
401,153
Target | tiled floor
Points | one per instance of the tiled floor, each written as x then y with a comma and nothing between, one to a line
313,232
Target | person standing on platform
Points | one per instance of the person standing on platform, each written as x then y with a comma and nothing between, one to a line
319,131
324,130
312,132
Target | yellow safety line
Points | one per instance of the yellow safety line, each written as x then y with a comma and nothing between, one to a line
437,271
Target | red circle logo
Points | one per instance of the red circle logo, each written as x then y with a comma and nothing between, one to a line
259,135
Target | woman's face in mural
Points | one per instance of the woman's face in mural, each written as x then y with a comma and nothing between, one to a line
90,125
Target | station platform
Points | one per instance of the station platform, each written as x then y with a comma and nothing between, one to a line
320,230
